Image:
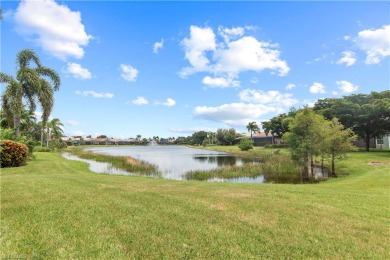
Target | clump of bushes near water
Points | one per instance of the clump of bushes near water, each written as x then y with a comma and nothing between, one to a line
126,163
275,168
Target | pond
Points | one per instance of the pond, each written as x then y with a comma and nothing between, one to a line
175,161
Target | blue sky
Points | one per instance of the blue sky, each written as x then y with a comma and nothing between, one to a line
171,68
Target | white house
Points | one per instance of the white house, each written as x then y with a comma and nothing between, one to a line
382,142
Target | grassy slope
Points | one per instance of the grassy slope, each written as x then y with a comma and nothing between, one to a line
53,208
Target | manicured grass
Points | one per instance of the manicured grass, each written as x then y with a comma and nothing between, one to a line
57,209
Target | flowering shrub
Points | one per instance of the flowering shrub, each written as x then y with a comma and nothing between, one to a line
12,154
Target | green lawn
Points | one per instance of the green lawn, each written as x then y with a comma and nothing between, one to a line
54,208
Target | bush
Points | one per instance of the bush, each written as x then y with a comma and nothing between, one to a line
245,144
12,154
40,149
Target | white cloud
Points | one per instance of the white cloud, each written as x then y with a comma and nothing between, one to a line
157,46
252,104
56,28
290,86
200,41
72,123
271,98
346,87
192,130
231,33
220,82
348,58
78,72
169,102
376,44
317,88
129,73
234,114
139,101
94,94
235,54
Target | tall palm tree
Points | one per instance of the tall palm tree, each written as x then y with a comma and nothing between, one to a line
252,128
31,84
54,129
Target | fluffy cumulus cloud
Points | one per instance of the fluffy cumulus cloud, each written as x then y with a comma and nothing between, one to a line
227,58
78,71
317,88
169,102
54,27
157,46
128,72
349,58
376,44
139,101
94,94
72,123
346,87
251,106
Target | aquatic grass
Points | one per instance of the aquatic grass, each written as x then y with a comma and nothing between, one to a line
229,172
280,168
126,163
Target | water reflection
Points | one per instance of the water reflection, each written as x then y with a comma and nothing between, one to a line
98,167
220,161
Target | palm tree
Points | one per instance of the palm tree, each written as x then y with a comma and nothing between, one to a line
54,128
252,128
30,84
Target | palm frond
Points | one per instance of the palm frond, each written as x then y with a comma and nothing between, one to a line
24,57
51,74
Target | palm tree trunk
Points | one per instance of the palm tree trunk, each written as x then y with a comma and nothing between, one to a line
17,125
48,136
42,135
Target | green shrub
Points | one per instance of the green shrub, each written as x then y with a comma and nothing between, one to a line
12,154
245,144
40,149
275,146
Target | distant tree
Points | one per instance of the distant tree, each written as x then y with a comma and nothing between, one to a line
102,136
198,137
30,84
226,136
279,125
252,128
368,115
138,137
54,129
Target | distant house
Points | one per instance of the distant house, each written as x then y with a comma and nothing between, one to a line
382,142
260,139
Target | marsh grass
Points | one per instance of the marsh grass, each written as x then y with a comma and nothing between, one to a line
246,170
275,168
126,163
